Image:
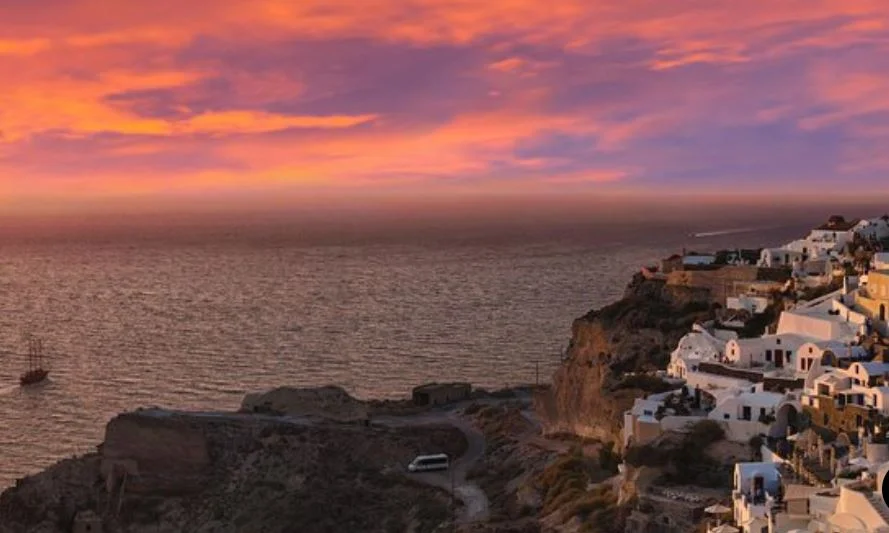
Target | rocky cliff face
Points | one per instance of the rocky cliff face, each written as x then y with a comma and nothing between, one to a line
635,333
159,471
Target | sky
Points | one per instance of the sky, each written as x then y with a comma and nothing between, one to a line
201,103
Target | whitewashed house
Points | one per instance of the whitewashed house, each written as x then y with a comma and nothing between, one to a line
880,261
837,232
772,350
693,348
752,304
870,374
874,228
746,405
756,486
826,352
640,423
826,320
779,257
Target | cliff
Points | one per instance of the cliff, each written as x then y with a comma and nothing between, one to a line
163,471
636,333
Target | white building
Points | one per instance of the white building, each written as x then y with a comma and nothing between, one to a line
752,304
837,232
693,348
768,350
825,319
826,352
779,257
746,406
874,228
869,374
756,485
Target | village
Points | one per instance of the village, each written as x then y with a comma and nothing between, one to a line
796,364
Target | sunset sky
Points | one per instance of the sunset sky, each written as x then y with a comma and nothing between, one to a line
162,101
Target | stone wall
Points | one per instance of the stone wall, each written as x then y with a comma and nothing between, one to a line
838,419
726,281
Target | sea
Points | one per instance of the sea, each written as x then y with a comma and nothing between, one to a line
198,323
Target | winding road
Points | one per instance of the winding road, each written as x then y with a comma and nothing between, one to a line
475,501
455,480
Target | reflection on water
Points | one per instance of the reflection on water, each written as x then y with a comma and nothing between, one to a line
197,326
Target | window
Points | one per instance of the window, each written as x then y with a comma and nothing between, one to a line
778,342
810,349
826,419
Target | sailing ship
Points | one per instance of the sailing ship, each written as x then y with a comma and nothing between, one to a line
36,373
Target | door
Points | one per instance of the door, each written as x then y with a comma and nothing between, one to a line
745,412
779,358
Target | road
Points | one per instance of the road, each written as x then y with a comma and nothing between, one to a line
475,501
476,506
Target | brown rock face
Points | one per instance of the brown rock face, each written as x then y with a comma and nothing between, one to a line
158,453
636,333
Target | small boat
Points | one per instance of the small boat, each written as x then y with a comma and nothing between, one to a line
36,373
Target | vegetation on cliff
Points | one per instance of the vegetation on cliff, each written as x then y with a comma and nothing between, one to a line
681,458
590,389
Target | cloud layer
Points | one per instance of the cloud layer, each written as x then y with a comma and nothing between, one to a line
108,99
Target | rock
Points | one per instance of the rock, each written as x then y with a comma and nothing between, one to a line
326,402
231,472
635,333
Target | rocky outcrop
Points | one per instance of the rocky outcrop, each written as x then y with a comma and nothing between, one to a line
635,333
162,471
325,402
154,452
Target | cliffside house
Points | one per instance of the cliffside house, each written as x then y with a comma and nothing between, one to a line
827,353
872,300
874,229
640,423
769,350
780,257
694,347
757,487
837,231
752,304
756,406
843,400
441,393
826,319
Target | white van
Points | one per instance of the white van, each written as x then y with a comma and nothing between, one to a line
425,463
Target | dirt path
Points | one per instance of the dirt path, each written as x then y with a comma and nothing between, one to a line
475,502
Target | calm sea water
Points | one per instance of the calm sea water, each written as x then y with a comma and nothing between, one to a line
199,324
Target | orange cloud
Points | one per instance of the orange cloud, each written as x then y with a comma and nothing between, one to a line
141,98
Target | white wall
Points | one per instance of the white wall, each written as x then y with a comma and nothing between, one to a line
712,382
753,304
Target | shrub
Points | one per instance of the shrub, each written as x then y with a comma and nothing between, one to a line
645,382
704,433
